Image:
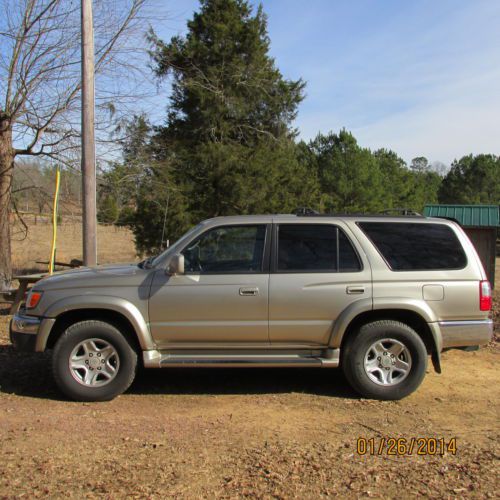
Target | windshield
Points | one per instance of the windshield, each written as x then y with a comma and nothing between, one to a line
173,248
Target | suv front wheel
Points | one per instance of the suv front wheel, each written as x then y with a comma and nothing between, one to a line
385,360
92,361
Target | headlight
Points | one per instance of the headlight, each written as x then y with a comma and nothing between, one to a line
33,299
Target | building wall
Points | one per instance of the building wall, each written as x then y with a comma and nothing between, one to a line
484,239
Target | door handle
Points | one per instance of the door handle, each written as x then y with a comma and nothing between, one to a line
249,291
353,290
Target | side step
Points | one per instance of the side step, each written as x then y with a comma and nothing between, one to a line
158,359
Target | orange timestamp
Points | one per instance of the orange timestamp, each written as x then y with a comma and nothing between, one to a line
406,446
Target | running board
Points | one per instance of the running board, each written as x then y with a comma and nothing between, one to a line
158,359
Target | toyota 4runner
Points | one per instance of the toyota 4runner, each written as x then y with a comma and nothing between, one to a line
374,295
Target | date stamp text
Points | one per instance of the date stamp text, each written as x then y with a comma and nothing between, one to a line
406,446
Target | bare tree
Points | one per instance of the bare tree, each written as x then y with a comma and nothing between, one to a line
40,83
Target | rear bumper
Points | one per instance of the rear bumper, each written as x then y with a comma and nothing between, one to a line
466,333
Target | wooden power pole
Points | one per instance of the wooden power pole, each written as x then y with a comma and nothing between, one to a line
88,139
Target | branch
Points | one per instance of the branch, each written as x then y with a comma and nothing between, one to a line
20,219
62,105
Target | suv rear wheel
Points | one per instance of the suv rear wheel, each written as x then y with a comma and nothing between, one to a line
92,361
385,360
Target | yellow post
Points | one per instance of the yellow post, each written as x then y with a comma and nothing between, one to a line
54,222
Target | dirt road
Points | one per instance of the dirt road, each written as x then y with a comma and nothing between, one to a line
254,433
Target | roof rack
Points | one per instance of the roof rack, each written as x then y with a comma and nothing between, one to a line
390,212
400,211
302,211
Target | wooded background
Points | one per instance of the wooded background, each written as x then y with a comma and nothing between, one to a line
227,144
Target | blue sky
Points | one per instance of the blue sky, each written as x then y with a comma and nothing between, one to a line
419,77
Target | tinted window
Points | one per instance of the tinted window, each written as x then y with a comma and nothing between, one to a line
314,248
348,258
227,249
413,247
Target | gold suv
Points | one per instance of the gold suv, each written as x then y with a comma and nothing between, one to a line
374,295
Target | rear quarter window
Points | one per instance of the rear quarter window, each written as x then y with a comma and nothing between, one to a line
416,247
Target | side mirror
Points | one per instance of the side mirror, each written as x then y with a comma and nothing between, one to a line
176,264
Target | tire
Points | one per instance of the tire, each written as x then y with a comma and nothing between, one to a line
384,360
92,361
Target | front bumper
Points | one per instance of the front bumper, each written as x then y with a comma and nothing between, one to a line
23,332
466,333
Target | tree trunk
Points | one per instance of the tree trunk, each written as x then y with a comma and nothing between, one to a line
6,168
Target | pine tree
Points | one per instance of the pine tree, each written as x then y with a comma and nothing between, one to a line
228,137
349,175
471,180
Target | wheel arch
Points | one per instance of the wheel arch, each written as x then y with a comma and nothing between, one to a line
417,320
119,312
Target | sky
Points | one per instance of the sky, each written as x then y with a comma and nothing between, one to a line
419,77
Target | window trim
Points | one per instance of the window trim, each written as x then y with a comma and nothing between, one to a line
274,252
358,223
265,251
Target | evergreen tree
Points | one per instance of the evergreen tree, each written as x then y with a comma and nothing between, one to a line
228,138
349,175
472,180
423,189
396,179
108,210
407,188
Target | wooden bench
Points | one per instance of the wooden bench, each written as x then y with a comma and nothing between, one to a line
7,295
24,282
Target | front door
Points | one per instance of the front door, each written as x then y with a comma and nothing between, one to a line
222,298
316,273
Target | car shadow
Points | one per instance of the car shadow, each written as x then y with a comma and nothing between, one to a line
26,374
30,375
240,381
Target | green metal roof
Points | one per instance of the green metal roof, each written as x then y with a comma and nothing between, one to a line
467,215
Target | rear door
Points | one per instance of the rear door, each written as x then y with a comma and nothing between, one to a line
316,272
425,260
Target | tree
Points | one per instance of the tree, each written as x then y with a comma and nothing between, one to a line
228,145
225,85
407,188
349,175
40,83
424,188
420,164
108,212
122,179
472,180
397,180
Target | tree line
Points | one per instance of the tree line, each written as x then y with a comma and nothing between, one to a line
228,146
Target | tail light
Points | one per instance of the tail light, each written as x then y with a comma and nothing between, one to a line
484,296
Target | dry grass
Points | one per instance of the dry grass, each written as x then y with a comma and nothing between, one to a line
115,244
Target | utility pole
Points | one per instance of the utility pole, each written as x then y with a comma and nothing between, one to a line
88,139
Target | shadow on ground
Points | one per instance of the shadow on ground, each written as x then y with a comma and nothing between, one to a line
29,375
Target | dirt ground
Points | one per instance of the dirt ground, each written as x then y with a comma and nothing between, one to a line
225,433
